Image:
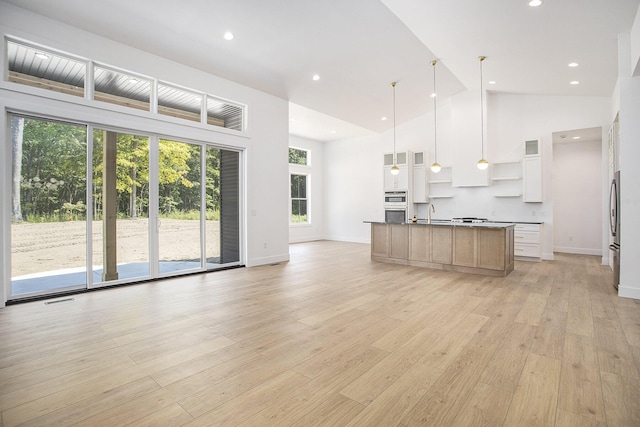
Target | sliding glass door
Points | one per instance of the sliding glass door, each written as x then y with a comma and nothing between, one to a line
125,207
120,207
179,206
48,206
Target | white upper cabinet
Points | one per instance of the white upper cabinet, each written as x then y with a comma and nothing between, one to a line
532,172
403,180
420,188
532,147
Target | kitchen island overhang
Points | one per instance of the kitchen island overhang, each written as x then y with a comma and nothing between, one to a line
485,248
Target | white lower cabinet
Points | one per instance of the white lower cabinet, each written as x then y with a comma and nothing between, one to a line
528,242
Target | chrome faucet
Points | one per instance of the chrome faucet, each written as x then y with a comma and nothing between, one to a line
430,209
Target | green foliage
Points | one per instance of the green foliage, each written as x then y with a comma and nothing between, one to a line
54,168
297,156
296,219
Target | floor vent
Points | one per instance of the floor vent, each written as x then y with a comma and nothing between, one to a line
57,301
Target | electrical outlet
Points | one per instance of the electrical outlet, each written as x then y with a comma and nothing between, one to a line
265,245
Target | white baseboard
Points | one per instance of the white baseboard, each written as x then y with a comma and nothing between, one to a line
306,239
268,260
348,239
628,292
578,251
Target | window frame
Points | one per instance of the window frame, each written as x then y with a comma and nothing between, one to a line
307,198
239,121
308,157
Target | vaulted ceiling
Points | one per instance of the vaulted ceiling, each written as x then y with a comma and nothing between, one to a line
358,47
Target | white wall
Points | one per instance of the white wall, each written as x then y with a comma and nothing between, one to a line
354,179
629,108
265,141
577,197
635,46
353,186
315,172
467,139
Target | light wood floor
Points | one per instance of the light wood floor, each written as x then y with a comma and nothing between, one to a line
331,339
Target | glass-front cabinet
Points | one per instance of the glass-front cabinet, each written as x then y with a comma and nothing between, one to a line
402,180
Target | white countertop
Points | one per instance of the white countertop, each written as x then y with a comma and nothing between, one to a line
448,223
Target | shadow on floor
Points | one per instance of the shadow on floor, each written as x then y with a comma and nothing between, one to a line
54,280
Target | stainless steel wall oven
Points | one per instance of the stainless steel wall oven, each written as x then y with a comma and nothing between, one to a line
395,207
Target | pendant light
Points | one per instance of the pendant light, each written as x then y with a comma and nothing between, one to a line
435,167
395,170
482,163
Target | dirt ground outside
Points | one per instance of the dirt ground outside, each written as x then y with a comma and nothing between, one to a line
52,246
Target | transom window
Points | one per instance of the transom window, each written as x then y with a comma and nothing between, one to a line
298,156
45,68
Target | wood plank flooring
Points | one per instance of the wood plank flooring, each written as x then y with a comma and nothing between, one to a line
330,339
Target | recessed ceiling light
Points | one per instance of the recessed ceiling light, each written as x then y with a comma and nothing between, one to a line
492,82
42,55
228,35
383,119
316,77
535,3
573,64
574,82
576,137
333,131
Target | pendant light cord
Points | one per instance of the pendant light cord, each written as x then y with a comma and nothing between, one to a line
435,117
393,85
481,58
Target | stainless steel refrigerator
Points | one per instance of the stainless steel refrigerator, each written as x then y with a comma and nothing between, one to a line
614,224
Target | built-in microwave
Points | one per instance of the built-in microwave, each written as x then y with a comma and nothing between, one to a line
395,198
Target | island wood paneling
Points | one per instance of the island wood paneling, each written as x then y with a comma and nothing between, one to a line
472,249
492,248
465,246
399,247
441,245
420,244
380,240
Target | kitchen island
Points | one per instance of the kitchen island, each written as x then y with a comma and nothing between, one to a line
480,248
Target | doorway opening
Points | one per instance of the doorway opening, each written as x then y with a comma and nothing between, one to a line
577,191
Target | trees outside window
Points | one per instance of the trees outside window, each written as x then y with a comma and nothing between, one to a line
299,195
299,199
298,157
